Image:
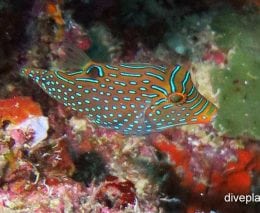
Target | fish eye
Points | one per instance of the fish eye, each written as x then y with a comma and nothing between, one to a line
177,97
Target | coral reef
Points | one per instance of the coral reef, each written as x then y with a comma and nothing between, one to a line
208,171
52,159
16,110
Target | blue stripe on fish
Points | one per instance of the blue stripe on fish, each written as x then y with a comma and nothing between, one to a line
111,67
198,103
191,91
155,75
194,98
91,80
172,77
62,78
160,101
160,89
184,82
127,74
168,106
202,109
143,66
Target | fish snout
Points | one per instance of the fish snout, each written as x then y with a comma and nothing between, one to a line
208,115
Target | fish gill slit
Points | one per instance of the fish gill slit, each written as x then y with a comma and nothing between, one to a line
71,73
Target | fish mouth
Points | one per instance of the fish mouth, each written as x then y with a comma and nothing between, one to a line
212,112
213,117
209,115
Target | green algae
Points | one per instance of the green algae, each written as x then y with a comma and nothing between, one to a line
239,81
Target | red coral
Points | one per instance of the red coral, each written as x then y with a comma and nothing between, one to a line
18,109
181,159
52,181
61,158
205,171
244,157
116,194
84,146
236,177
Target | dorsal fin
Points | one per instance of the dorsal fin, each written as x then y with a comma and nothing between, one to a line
71,57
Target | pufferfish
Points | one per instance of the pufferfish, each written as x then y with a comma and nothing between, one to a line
129,98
